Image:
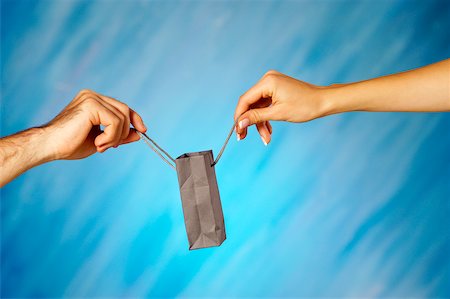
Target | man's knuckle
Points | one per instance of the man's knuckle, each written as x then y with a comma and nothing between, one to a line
270,78
125,109
88,101
122,105
116,120
271,72
84,91
83,97
120,115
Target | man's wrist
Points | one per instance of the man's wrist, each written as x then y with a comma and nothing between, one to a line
42,137
22,151
30,146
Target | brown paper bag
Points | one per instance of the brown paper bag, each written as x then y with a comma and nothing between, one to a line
202,209
200,199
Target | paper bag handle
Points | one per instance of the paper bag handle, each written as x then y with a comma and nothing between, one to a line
158,150
166,157
225,144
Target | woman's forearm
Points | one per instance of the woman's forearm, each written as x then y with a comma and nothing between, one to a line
426,89
279,97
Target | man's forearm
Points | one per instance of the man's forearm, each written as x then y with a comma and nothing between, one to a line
73,134
22,151
425,89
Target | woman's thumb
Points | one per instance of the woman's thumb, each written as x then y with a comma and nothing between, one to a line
254,116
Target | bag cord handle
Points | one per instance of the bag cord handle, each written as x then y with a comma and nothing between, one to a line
158,150
166,157
224,145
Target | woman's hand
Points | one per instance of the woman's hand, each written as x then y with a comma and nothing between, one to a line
277,97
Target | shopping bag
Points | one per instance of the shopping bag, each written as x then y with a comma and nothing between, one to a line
200,199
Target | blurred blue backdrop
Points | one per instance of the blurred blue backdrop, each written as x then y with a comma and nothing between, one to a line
349,205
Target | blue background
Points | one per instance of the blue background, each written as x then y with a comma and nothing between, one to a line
349,205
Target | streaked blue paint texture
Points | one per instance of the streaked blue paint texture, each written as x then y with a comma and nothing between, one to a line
348,205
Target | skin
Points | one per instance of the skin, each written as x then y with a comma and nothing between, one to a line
282,98
73,134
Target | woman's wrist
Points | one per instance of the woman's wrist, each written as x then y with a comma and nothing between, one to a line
339,98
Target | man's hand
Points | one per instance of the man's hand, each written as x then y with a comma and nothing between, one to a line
75,133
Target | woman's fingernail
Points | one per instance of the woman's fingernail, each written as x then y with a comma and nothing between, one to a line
267,127
238,137
244,123
265,143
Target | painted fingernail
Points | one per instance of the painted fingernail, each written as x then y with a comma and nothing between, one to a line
265,143
244,123
267,127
